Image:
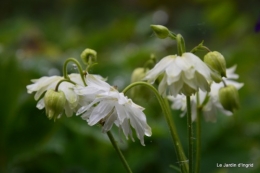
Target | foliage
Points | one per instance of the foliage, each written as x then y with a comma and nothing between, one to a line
35,39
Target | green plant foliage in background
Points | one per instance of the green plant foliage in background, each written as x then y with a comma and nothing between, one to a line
37,36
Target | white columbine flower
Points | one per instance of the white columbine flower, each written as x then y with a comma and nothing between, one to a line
213,105
181,75
110,107
46,83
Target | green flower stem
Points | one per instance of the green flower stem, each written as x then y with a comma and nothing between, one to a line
172,36
111,138
176,141
65,73
182,157
63,80
190,135
198,129
200,47
198,141
181,49
180,44
224,83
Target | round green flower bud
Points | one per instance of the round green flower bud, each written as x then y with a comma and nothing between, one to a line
216,62
89,56
54,103
161,31
228,97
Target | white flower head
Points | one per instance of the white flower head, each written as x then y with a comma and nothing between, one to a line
110,107
46,83
213,105
182,75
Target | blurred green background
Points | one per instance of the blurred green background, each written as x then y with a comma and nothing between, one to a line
36,37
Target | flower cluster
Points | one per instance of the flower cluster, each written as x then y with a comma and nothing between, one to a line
181,75
97,103
193,85
108,106
213,105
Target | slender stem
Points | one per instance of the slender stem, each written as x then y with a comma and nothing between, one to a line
63,80
111,138
178,147
180,44
65,73
198,141
176,141
172,36
198,134
190,135
224,83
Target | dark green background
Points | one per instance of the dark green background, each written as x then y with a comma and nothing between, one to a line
36,37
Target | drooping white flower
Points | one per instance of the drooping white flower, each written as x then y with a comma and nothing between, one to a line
182,75
111,107
46,83
213,105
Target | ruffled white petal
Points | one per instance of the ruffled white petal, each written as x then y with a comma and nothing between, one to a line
159,68
111,107
182,75
213,105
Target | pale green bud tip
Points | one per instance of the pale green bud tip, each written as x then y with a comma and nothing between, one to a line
216,62
228,97
160,31
89,56
54,103
138,74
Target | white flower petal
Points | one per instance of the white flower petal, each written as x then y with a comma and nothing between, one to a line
121,112
40,104
68,110
109,121
159,68
182,74
100,111
163,86
127,129
43,84
176,87
231,72
213,105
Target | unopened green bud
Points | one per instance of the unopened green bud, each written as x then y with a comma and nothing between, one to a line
54,103
216,62
138,74
161,31
228,97
89,56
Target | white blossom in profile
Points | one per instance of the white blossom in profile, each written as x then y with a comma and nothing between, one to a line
108,107
184,74
49,83
213,105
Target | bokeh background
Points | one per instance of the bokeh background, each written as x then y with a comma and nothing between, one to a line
36,37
